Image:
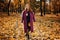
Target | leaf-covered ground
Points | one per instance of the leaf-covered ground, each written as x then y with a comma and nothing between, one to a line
45,28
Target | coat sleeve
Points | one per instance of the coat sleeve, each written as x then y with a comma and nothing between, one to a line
22,16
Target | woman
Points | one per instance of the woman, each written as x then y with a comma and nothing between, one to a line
28,18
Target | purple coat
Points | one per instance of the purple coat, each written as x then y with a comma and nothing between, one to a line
25,22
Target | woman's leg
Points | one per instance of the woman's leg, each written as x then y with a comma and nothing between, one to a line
28,26
28,29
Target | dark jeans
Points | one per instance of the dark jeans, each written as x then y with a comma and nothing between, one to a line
28,27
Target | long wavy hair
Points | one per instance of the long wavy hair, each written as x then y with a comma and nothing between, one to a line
28,7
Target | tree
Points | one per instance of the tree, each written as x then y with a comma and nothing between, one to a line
55,7
8,6
44,7
19,6
41,7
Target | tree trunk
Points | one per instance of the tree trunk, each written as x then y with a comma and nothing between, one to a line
44,7
41,7
8,7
